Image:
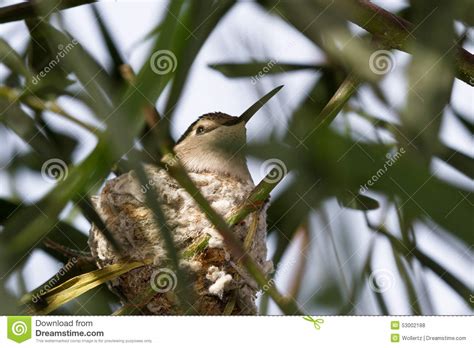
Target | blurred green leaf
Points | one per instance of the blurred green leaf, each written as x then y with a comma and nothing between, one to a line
8,302
110,43
62,233
98,301
121,129
257,69
44,59
328,297
460,161
469,124
379,298
304,120
6,209
24,10
12,60
25,127
430,75
345,164
284,219
62,53
357,201
408,282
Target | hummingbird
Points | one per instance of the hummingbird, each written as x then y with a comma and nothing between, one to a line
212,150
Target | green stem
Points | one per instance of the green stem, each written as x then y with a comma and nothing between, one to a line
36,103
254,201
24,10
196,247
338,100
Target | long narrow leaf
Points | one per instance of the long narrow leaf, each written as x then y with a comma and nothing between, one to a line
76,286
255,69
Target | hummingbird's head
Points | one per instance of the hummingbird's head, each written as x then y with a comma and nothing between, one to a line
215,143
215,130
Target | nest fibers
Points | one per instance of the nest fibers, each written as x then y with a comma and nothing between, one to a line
214,275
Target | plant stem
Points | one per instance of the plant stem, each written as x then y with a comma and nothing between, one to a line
36,103
338,100
254,201
24,10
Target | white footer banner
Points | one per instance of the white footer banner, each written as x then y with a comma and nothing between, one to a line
229,332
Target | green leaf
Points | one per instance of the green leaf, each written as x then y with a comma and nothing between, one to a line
72,267
347,164
408,282
62,233
45,60
6,209
257,69
284,220
379,298
12,116
25,233
469,124
357,201
112,47
342,164
12,59
63,54
429,90
77,286
23,10
460,161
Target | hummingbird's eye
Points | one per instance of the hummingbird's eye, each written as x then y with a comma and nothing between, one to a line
200,130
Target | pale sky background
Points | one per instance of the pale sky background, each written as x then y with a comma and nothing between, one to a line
246,33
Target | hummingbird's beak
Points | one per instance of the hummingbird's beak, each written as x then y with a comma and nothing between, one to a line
247,115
